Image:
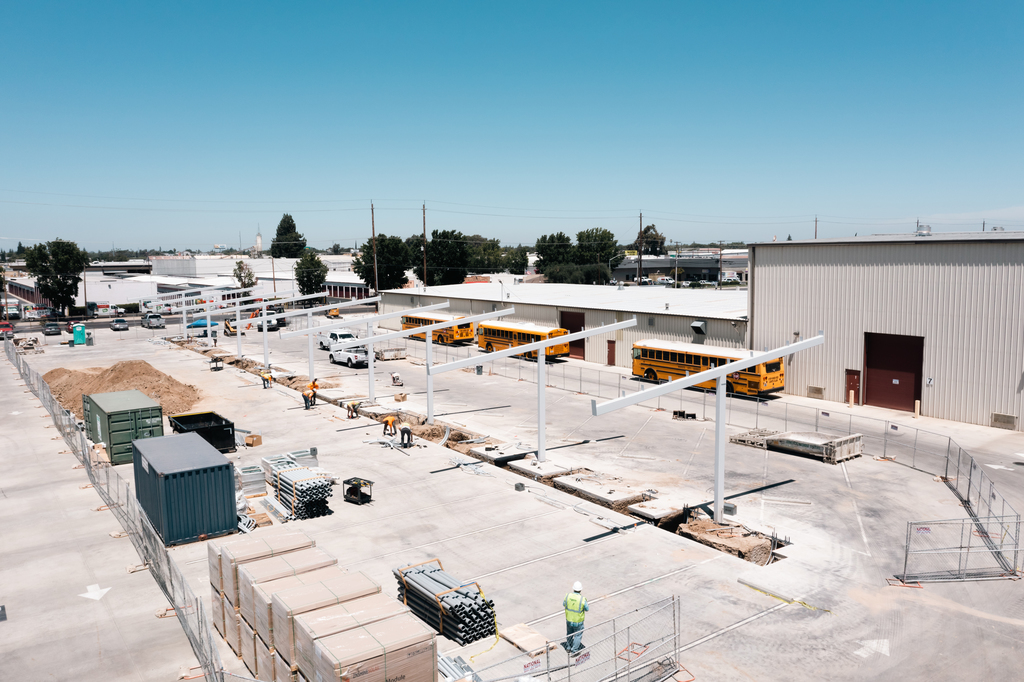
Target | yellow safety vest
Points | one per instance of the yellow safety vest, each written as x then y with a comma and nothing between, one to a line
574,604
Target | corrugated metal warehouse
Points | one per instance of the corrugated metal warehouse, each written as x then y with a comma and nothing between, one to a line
661,313
932,317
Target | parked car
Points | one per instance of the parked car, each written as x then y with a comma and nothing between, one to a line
327,339
645,281
349,356
69,327
6,330
731,280
152,321
272,325
51,329
119,325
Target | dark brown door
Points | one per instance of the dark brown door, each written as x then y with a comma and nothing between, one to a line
574,322
611,353
893,368
852,384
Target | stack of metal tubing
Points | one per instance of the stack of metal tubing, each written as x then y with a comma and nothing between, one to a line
458,612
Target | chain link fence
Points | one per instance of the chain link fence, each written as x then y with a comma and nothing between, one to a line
638,646
976,548
117,497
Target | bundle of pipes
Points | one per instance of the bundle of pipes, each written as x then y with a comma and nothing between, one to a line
303,492
305,458
454,668
250,480
464,615
274,464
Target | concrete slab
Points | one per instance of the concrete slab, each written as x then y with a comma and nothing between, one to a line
660,508
602,489
499,455
539,471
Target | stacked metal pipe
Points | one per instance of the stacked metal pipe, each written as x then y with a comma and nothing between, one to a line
463,616
274,464
303,492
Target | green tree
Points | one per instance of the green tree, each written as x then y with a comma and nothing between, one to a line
310,273
244,275
516,260
287,243
597,246
789,238
335,249
21,249
553,250
393,259
485,255
447,258
57,267
650,241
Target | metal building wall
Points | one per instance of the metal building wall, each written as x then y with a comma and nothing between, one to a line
665,327
966,298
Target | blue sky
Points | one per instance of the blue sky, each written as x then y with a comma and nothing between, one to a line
185,124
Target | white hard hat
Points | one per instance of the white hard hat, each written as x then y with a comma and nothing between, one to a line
577,586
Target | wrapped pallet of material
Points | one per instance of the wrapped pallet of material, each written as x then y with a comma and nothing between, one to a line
217,610
298,600
264,661
399,648
248,646
275,568
263,621
282,672
314,625
236,554
233,625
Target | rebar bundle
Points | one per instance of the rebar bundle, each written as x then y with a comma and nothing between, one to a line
457,611
303,492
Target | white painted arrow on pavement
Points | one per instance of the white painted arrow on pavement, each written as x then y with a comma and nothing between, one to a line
873,646
94,592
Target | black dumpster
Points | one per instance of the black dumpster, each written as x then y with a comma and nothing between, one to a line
215,429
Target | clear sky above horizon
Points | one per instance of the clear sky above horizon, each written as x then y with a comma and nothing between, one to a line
187,124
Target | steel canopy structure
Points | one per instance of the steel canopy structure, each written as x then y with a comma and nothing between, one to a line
368,341
429,335
541,348
718,374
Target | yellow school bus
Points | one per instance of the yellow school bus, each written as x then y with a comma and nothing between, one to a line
449,335
492,336
657,360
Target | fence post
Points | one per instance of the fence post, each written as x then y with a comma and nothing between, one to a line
629,661
885,437
581,380
547,659
906,554
757,413
615,647
817,413
913,461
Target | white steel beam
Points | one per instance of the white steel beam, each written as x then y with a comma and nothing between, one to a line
541,348
718,375
375,318
428,331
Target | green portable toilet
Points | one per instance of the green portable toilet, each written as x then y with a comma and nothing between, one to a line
116,419
78,331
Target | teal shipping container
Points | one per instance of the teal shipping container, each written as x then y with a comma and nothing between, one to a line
116,419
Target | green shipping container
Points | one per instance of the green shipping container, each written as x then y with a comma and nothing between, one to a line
116,419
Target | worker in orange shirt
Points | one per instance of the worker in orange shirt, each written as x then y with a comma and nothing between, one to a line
389,425
309,395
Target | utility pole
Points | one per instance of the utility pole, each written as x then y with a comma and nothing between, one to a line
424,246
640,253
373,229
273,272
3,277
815,227
85,287
982,225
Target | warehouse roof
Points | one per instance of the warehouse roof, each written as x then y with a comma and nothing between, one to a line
728,304
909,237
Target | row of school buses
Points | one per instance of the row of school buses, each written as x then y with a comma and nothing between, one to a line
653,359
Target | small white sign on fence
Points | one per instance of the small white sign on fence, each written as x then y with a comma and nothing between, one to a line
531,666
583,658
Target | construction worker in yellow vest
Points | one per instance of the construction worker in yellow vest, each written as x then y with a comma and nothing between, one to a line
576,607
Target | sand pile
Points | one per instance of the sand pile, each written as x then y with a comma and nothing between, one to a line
68,385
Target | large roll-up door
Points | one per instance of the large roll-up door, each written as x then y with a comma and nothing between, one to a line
574,322
893,368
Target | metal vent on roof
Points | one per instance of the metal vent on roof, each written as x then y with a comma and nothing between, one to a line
699,327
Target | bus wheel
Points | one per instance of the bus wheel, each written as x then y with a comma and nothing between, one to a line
651,375
490,348
728,387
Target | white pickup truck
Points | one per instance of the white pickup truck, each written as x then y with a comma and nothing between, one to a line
152,321
352,356
329,338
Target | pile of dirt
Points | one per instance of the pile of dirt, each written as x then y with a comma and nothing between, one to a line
68,385
734,539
